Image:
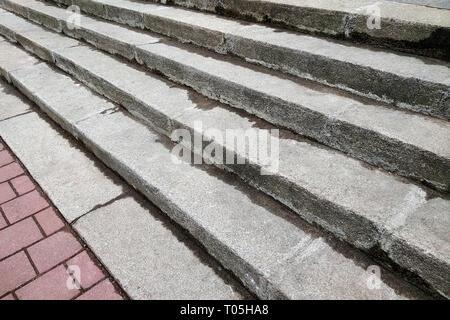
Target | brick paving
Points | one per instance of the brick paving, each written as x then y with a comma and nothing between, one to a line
41,258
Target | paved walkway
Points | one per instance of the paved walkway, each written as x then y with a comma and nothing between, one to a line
40,257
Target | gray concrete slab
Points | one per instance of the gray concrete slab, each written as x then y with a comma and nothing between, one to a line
384,76
137,175
249,233
21,58
400,20
239,227
387,132
150,258
71,179
11,105
444,4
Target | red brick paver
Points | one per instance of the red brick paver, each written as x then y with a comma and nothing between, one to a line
18,236
24,206
102,291
9,171
38,248
54,250
6,192
49,221
15,271
50,286
2,222
22,184
89,272
5,158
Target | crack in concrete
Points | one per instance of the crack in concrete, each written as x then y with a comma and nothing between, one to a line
102,205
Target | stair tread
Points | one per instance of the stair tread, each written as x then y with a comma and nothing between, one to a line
410,66
422,133
350,178
305,56
273,252
138,245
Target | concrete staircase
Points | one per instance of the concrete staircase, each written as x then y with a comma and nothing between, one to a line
374,174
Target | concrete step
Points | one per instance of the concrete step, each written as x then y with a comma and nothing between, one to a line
368,208
381,75
408,144
273,252
143,250
403,26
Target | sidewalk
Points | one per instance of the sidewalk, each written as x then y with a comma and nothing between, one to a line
38,249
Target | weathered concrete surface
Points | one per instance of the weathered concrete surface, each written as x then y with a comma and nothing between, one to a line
11,105
21,58
150,257
237,225
381,75
408,144
364,232
73,181
403,26
443,4
152,171
142,249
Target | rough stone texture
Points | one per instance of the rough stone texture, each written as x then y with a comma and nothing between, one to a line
128,133
21,59
431,3
72,181
381,75
11,22
239,226
404,27
170,245
307,193
408,144
10,105
423,230
41,83
129,239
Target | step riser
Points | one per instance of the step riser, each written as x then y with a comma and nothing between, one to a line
344,275
430,98
121,96
356,230
250,277
337,24
365,144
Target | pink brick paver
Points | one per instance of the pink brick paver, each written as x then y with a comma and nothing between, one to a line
50,286
9,171
37,245
15,271
2,222
22,184
102,291
24,206
6,192
49,221
5,158
53,250
89,272
18,236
